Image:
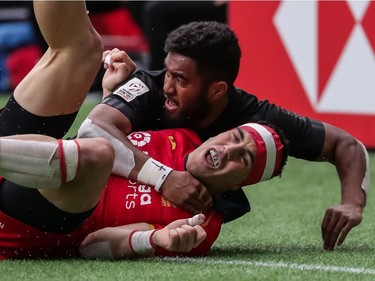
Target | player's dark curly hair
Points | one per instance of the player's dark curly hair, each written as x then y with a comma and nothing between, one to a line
213,46
284,141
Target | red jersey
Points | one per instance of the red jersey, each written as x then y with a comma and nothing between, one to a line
123,202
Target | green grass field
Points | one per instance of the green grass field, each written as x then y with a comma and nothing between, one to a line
278,240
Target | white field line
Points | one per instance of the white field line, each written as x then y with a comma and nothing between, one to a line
271,264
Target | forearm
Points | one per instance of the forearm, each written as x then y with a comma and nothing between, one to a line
352,166
115,243
129,162
140,240
128,159
349,157
179,187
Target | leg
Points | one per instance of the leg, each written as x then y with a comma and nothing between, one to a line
64,207
71,174
52,92
59,82
48,98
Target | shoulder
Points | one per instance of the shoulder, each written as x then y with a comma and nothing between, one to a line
241,99
147,76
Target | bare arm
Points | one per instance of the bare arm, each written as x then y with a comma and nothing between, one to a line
349,157
181,188
137,240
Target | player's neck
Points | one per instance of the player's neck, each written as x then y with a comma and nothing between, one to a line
216,110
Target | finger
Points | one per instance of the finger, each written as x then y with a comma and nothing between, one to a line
177,223
207,204
326,219
122,66
120,56
345,231
335,227
188,236
193,206
206,199
332,221
174,240
336,233
105,53
196,220
107,60
87,240
200,235
107,57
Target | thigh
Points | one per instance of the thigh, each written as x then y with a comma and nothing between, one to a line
14,119
28,206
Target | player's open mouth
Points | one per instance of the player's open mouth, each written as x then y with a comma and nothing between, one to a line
170,105
212,158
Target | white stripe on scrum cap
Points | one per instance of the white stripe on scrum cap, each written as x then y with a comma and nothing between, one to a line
269,142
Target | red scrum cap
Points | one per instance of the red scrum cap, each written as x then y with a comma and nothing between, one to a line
269,152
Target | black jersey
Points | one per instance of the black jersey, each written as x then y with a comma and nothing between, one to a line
141,100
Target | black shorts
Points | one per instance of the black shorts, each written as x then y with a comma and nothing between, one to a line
27,204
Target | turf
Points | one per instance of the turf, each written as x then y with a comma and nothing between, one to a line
278,240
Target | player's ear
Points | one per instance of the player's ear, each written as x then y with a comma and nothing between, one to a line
217,90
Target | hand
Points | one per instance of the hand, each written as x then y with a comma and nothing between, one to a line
113,242
179,236
119,68
337,222
185,191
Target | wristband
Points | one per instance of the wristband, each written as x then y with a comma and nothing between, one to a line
153,173
140,242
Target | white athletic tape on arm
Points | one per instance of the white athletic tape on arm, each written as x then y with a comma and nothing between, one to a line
98,250
124,157
153,173
141,242
366,180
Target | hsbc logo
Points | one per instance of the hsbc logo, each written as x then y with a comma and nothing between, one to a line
331,45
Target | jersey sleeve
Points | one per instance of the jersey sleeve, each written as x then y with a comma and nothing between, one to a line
139,98
305,135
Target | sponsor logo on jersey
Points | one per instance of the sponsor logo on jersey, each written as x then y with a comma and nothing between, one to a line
139,195
131,89
166,203
139,139
173,143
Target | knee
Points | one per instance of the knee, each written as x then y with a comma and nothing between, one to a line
97,155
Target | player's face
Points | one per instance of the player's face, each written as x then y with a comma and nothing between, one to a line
186,94
224,161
